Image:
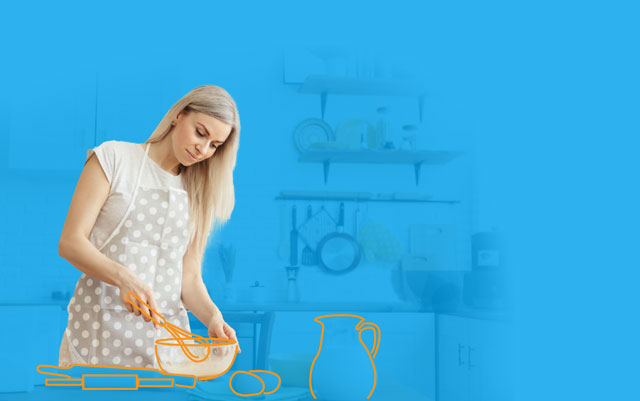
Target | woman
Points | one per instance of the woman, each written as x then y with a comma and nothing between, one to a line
139,221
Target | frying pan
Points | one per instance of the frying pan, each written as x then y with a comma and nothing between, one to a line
338,252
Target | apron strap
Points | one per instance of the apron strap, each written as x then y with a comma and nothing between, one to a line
133,198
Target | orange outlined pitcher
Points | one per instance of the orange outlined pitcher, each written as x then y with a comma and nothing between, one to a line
343,368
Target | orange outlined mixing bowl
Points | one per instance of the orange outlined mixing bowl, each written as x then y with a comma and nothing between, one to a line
213,359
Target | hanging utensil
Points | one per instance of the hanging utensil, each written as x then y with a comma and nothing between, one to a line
312,231
308,256
338,252
283,243
293,238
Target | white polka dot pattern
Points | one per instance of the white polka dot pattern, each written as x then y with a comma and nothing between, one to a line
151,243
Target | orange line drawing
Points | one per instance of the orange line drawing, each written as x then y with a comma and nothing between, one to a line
178,333
175,343
259,378
86,379
252,374
360,327
180,336
271,373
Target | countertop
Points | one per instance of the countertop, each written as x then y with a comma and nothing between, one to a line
382,393
320,306
342,307
262,306
482,314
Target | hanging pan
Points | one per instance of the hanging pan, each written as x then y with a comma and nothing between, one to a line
338,252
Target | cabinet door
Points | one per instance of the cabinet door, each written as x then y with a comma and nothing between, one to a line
37,343
51,118
489,356
453,364
132,101
49,331
405,362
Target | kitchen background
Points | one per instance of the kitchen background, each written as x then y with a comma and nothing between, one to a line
428,124
325,128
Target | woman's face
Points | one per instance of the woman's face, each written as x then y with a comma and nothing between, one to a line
196,137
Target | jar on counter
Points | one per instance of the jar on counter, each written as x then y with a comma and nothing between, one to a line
257,292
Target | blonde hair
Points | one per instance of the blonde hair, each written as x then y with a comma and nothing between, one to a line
209,183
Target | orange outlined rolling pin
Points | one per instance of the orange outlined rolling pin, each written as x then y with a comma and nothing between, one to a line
102,377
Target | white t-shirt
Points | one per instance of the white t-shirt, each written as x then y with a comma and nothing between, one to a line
121,162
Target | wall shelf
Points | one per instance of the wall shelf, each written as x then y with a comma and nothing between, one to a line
359,197
324,85
416,158
359,86
450,202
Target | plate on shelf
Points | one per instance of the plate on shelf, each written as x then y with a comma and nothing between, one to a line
310,131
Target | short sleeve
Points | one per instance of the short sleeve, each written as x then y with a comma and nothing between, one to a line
106,154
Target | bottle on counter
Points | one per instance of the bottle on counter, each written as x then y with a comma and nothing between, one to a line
293,293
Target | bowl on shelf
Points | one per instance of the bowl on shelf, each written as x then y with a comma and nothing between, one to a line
174,360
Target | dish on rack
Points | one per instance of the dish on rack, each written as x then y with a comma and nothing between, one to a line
310,131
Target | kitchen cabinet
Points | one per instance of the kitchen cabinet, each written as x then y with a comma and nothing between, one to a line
474,359
34,341
50,119
452,356
405,360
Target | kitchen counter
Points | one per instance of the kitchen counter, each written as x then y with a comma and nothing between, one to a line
42,393
264,306
482,314
319,306
74,393
343,307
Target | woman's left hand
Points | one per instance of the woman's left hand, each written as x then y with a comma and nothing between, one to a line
218,328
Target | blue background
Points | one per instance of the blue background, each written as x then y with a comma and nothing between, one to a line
541,98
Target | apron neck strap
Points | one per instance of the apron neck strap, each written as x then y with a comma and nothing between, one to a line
133,199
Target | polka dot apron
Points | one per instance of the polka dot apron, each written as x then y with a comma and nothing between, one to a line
150,240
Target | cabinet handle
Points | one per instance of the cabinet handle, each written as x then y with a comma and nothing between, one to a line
460,348
469,364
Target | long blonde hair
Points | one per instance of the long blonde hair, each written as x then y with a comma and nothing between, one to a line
209,183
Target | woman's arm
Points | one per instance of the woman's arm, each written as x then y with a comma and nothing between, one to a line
196,297
90,195
88,198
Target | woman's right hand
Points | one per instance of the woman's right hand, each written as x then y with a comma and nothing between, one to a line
128,282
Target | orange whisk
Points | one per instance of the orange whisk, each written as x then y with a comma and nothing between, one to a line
179,334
